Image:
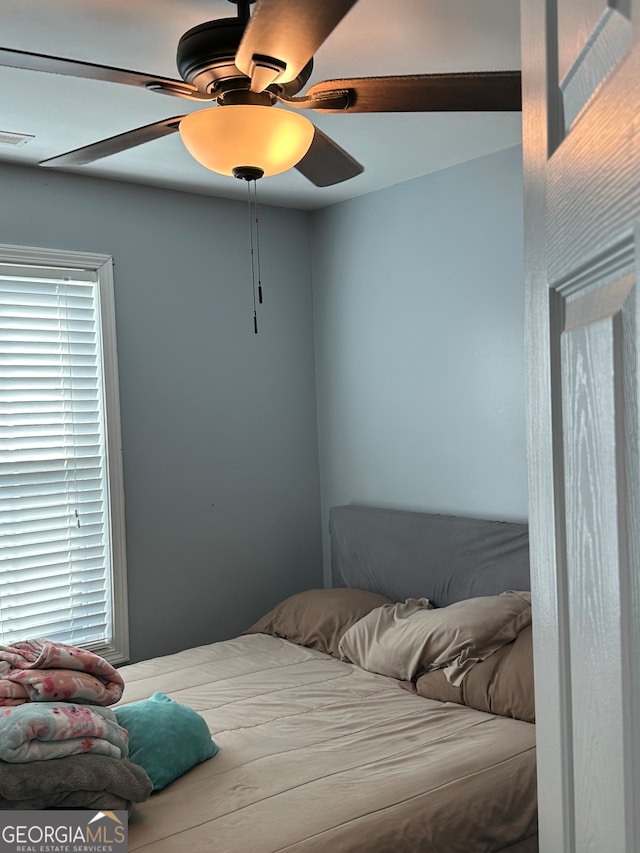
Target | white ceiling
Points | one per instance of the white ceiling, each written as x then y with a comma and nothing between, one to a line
377,37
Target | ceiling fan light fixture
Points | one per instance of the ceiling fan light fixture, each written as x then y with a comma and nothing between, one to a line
226,138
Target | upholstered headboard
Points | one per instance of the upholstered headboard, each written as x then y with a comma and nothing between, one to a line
411,554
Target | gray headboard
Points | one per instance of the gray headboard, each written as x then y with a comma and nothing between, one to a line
411,554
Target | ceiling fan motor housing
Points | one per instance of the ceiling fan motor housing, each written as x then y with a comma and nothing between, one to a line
206,58
206,54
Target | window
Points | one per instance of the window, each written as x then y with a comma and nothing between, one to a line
62,557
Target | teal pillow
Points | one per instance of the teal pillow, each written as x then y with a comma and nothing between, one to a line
165,737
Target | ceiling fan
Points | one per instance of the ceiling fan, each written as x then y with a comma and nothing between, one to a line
249,64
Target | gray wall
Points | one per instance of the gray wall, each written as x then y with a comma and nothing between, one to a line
419,324
218,425
418,320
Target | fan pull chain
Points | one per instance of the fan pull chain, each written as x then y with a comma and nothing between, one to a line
253,259
255,210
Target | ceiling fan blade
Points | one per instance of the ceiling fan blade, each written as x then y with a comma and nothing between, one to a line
89,70
326,164
474,91
115,144
283,35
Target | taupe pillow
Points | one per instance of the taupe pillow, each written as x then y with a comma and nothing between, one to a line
399,642
500,684
318,618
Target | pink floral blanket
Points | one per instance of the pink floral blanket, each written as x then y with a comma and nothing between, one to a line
44,671
34,732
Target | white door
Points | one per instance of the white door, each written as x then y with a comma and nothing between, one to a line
581,93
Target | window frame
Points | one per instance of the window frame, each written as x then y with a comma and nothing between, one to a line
117,649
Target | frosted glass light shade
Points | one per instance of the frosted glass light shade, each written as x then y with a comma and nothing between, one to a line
266,138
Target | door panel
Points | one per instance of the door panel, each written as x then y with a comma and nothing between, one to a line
593,350
593,37
581,128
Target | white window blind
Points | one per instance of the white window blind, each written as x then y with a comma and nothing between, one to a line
61,525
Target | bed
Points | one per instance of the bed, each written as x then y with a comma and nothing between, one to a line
315,754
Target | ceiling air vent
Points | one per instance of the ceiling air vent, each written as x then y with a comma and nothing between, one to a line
7,138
